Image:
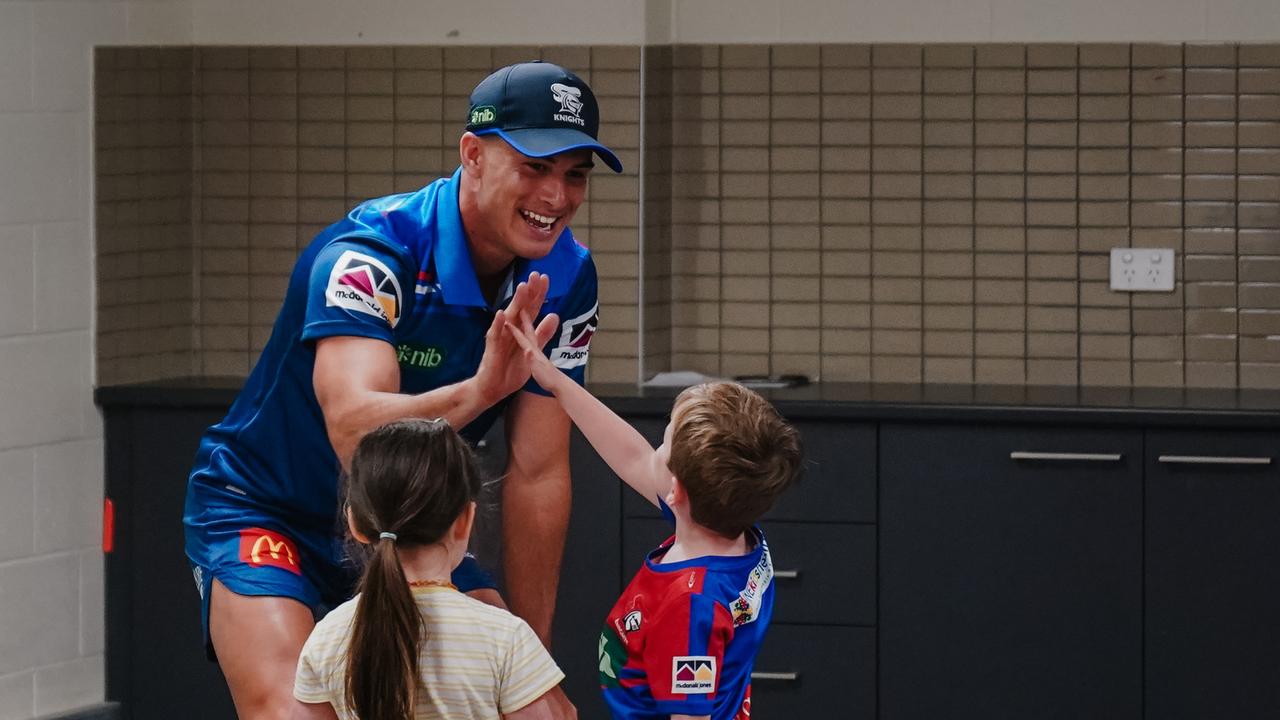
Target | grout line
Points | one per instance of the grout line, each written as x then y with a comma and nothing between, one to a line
640,226
1026,219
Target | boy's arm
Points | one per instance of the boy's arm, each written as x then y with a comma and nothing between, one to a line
621,446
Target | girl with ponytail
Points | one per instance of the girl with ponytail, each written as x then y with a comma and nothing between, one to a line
409,645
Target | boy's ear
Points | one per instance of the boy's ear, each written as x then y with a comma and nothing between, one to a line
351,525
676,495
461,529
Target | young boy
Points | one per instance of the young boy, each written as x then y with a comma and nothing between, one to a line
682,639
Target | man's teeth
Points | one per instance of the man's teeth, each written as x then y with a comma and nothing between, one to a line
542,220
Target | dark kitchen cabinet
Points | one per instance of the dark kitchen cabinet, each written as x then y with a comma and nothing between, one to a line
155,658
935,561
1010,572
1212,575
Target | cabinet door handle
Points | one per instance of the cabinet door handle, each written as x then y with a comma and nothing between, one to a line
1067,456
1213,460
775,676
786,574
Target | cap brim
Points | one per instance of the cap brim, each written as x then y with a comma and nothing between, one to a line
545,142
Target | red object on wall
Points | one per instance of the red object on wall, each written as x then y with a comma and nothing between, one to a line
108,525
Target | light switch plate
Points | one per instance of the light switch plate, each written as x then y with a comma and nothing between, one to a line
1142,269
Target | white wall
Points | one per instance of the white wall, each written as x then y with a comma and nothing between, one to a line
51,594
551,22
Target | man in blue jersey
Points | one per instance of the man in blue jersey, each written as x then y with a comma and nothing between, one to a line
397,310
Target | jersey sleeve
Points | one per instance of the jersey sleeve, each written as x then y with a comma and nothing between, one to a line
356,288
683,655
526,671
579,316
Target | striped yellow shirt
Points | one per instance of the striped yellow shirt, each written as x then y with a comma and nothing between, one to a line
477,661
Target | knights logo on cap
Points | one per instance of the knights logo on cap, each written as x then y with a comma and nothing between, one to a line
570,99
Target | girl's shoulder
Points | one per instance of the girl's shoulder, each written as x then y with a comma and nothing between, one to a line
338,620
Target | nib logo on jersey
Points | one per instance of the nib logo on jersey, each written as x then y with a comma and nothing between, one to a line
575,340
364,284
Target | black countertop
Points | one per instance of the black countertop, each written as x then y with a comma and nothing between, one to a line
1197,407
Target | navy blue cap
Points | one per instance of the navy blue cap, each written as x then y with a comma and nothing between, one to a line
540,109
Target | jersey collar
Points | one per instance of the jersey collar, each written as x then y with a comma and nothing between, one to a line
452,259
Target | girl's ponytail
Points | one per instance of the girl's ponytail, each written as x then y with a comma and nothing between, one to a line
382,669
409,481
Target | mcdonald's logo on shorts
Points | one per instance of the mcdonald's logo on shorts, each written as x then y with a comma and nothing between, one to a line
263,548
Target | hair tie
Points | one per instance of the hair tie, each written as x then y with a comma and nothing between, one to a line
387,536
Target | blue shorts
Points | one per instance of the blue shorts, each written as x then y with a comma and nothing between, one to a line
253,554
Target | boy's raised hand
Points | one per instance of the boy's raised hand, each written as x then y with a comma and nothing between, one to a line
531,340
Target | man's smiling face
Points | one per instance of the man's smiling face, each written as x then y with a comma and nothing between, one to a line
527,202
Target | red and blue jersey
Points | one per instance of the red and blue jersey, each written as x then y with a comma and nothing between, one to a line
395,269
683,637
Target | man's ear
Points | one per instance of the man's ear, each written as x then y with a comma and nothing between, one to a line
351,525
470,152
461,530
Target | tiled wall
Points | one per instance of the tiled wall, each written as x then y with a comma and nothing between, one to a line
939,213
284,141
143,164
896,213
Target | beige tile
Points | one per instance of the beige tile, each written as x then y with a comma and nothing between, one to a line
1105,347
1157,107
1210,107
1210,374
948,107
1114,81
1211,55
1000,55
948,370
959,80
999,371
1000,107
893,55
1260,108
1051,319
1158,373
1258,80
1104,134
895,369
895,290
900,342
1259,375
956,318
845,368
1047,160
941,160
948,187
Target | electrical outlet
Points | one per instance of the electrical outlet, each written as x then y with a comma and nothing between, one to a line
1142,269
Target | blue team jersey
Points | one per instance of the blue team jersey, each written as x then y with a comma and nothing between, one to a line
683,637
395,269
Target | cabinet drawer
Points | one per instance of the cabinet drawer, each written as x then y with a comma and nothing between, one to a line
1212,582
1011,572
838,482
815,672
834,566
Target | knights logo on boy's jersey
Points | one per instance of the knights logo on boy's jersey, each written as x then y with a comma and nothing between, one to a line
364,284
572,348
